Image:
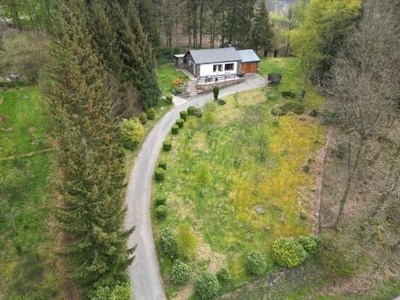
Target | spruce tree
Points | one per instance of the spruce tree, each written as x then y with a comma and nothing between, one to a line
262,34
147,18
137,55
89,158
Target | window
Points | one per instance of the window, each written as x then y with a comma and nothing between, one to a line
217,68
229,67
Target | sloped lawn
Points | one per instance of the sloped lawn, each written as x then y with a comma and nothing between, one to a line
236,180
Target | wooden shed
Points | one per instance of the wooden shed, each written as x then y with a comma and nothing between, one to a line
249,61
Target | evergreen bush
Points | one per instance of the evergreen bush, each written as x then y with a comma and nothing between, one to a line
161,200
183,114
274,77
255,263
169,99
161,212
286,252
132,132
143,118
191,110
309,244
216,92
162,164
180,123
168,242
199,113
288,94
223,275
207,286
180,272
175,129
221,101
160,174
151,114
314,113
167,145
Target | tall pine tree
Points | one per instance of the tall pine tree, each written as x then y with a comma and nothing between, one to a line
90,159
261,35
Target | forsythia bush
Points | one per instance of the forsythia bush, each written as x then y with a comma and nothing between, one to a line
287,252
132,132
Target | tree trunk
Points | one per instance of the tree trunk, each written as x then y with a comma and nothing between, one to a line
201,24
351,171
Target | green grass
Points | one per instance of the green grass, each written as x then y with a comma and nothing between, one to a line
25,242
166,74
252,159
23,122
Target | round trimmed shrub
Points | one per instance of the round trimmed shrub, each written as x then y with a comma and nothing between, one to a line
221,101
272,96
314,113
161,200
143,118
255,263
309,244
151,114
180,123
175,129
276,111
180,272
191,110
199,113
286,252
132,132
167,145
168,242
161,212
160,174
207,285
169,99
162,164
224,275
183,114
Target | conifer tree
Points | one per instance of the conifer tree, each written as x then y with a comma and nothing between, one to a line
147,18
137,55
262,28
90,159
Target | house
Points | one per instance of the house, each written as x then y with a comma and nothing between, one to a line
217,62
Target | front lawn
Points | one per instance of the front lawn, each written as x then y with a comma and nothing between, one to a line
166,75
236,180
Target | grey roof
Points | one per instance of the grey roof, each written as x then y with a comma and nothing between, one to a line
215,55
248,55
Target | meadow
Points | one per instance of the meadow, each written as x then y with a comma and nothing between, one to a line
26,244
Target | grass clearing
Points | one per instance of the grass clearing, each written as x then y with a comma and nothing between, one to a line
166,74
26,245
236,178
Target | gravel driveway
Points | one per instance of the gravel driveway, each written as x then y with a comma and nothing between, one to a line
144,272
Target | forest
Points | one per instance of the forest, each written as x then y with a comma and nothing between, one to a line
82,81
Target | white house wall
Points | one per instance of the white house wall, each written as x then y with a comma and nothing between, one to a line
207,69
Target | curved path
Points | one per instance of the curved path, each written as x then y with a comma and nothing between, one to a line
144,272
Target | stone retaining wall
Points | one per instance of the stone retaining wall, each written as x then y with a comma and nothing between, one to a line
205,88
